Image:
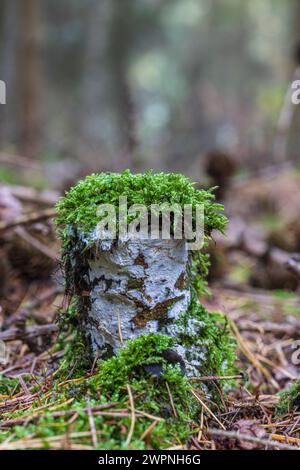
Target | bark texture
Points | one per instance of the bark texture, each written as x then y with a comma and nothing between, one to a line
134,287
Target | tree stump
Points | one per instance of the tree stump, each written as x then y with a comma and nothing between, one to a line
129,286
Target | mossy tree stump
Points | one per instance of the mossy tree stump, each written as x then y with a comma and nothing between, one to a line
128,287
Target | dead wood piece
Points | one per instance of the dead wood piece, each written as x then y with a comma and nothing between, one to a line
208,378
28,333
244,437
26,194
19,160
28,219
39,246
294,265
26,311
270,327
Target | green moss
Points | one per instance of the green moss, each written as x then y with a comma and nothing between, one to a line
128,367
8,386
291,310
289,399
207,334
241,273
8,176
127,364
209,345
199,268
77,358
281,294
79,206
109,384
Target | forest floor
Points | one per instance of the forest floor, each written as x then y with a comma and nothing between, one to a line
265,320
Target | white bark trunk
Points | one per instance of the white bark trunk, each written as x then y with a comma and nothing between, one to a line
136,287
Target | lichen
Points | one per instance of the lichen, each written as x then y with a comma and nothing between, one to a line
209,345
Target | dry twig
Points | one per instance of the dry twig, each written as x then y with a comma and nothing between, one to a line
244,437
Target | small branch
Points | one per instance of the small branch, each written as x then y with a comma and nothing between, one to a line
22,233
288,439
269,327
251,356
293,265
171,400
208,378
28,219
148,430
44,197
207,409
28,333
26,309
244,437
130,434
19,160
120,329
92,424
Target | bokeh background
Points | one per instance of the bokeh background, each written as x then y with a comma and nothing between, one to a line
201,87
111,84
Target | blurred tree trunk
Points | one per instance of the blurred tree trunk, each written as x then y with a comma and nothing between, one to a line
296,17
9,11
94,92
286,143
296,123
121,35
29,78
293,153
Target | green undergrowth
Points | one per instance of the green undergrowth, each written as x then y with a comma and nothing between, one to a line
208,340
109,384
8,386
166,398
289,399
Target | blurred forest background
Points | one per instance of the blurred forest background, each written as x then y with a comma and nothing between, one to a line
114,84
201,87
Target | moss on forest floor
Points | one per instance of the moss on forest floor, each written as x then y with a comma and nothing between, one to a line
50,415
289,399
166,412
